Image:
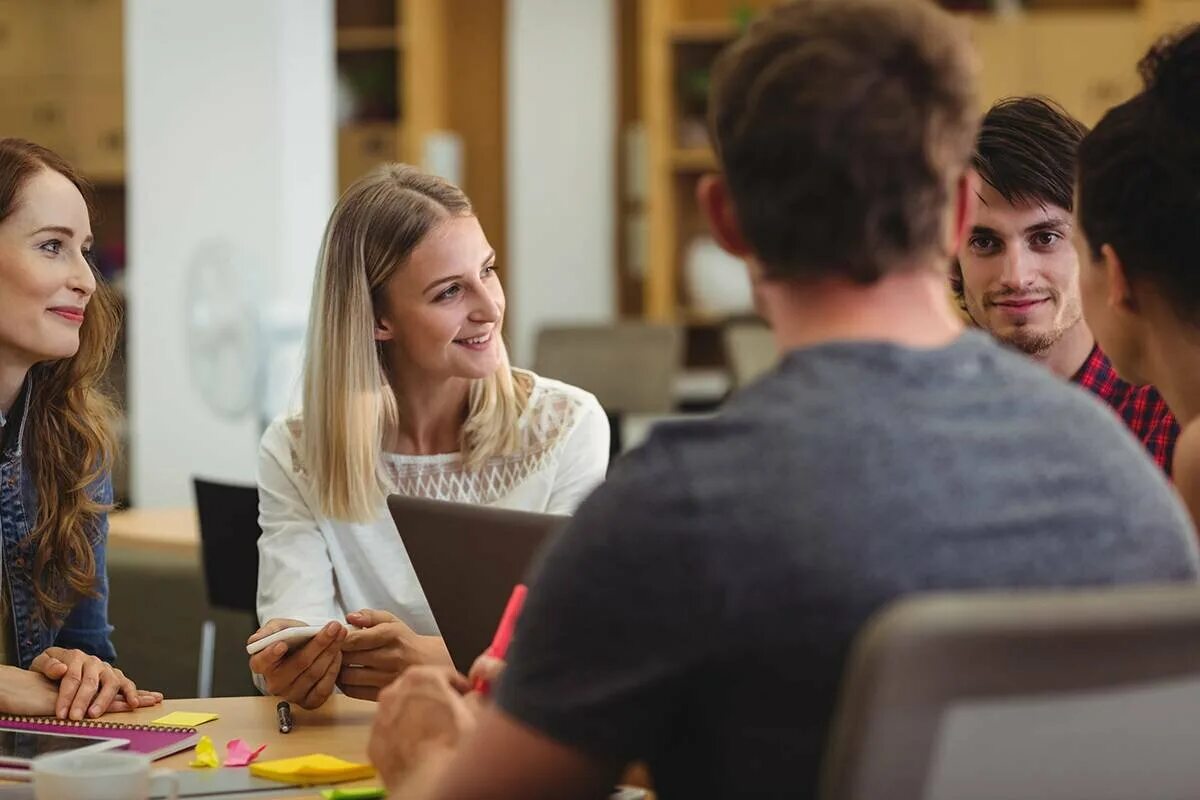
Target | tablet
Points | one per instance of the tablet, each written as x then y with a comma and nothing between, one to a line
19,748
468,558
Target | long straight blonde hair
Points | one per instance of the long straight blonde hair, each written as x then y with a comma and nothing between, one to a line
348,401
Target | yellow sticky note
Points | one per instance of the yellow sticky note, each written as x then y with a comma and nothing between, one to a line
185,719
206,754
306,770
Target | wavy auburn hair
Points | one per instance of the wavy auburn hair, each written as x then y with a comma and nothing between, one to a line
68,420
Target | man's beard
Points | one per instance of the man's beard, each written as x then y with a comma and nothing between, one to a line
1033,343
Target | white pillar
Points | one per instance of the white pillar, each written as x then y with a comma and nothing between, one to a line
230,126
561,88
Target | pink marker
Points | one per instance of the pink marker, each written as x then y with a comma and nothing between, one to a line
504,631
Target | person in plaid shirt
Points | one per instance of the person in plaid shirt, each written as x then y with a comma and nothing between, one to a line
1138,239
1017,272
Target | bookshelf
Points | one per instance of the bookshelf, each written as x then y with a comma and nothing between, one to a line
1080,52
411,69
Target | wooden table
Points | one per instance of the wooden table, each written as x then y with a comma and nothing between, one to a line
341,727
174,530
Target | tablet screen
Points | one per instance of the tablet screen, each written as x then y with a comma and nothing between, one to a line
21,746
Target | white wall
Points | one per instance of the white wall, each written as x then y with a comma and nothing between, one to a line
561,121
230,126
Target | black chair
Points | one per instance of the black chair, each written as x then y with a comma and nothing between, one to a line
229,534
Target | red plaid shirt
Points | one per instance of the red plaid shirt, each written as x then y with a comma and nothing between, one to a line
1142,407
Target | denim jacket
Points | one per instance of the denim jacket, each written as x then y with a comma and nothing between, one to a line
86,625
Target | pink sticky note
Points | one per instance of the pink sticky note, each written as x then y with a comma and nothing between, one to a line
239,754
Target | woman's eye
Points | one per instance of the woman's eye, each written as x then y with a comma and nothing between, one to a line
451,291
489,270
53,247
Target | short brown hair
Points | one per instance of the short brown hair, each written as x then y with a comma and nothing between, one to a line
840,126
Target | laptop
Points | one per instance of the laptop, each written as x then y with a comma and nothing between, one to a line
468,559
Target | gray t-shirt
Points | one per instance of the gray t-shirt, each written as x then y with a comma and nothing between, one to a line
697,611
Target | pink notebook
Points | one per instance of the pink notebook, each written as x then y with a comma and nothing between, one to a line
155,741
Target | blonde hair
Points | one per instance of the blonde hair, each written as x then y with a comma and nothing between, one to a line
68,421
348,401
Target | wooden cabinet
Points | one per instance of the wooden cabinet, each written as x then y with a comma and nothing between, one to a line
95,33
61,81
412,69
96,121
35,108
24,34
362,146
1081,53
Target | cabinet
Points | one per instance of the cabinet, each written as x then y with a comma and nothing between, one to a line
1082,53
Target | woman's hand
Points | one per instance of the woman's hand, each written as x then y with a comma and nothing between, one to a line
381,649
305,676
88,686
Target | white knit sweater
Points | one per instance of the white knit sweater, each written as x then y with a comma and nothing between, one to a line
315,569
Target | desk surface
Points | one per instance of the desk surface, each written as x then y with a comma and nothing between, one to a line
169,529
339,728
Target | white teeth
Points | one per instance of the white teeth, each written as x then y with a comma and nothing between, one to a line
477,339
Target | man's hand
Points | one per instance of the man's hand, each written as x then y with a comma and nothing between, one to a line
422,715
380,650
88,686
305,676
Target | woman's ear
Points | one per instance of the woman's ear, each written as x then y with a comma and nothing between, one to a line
383,330
712,193
1120,290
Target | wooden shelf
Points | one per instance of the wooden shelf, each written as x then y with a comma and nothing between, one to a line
703,31
375,38
693,159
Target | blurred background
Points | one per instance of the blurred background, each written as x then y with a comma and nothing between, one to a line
218,134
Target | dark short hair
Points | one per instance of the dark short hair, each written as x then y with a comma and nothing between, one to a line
1026,150
840,126
1139,176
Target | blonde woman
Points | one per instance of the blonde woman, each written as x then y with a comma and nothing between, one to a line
58,323
407,390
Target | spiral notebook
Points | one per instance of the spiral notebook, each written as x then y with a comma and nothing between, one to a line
155,741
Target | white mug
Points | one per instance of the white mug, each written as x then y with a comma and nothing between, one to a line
100,775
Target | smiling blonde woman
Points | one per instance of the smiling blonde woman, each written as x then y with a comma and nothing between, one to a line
407,390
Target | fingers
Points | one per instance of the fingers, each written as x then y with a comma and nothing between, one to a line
486,668
301,660
67,687
49,665
364,677
129,691
370,617
380,635
322,674
266,661
361,692
111,682
274,626
145,699
89,685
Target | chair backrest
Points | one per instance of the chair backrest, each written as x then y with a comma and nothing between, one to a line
629,366
1060,696
229,542
750,350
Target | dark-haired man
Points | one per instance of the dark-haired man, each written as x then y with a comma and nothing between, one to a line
1017,272
696,612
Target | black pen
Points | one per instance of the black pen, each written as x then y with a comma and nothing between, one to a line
285,716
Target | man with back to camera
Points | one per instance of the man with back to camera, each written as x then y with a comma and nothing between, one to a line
696,612
1017,272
